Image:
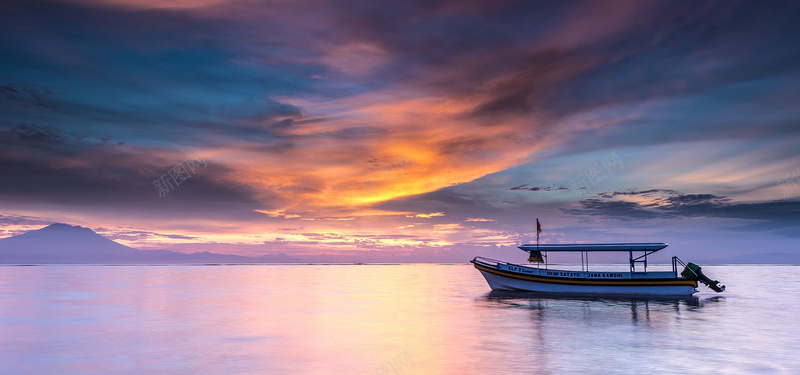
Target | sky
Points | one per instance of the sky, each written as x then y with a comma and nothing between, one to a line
403,131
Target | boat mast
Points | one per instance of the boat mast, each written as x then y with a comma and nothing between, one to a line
539,231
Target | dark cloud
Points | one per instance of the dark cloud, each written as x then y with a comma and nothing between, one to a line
781,217
461,145
215,76
22,220
114,179
32,133
27,95
659,54
125,74
537,188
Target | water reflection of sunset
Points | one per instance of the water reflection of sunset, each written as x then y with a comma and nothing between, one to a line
311,319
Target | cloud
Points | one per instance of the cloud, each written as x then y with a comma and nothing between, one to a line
139,236
21,220
427,216
28,95
32,133
634,205
117,181
299,107
536,188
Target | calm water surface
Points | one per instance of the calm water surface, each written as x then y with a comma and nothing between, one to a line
381,319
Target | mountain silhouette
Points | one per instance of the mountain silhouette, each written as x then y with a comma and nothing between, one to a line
71,244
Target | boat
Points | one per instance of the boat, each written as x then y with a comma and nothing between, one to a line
539,277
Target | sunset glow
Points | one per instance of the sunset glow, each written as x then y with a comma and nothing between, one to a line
334,131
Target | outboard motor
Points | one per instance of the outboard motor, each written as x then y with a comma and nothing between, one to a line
693,271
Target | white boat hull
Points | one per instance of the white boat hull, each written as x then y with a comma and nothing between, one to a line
500,282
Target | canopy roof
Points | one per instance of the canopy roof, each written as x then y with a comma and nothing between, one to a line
655,246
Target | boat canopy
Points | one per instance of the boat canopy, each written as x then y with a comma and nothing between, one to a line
652,247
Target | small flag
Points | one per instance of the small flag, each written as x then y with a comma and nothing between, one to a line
538,228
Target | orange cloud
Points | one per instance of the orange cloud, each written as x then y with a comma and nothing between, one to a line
412,146
427,216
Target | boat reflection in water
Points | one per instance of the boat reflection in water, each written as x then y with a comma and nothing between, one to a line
501,296
594,334
551,311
